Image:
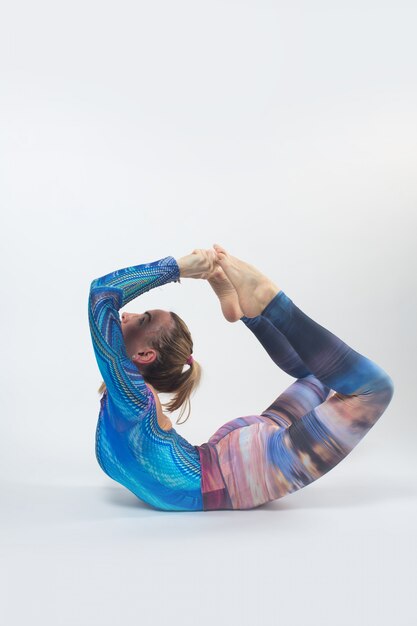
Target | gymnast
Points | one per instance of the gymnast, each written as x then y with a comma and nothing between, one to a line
338,394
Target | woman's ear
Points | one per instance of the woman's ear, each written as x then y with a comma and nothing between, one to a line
141,359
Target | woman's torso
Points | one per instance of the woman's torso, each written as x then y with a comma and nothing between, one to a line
157,464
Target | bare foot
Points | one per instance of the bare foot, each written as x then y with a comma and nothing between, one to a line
254,289
226,293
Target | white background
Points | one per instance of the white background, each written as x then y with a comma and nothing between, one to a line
129,131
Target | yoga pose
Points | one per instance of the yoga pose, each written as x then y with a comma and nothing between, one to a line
337,397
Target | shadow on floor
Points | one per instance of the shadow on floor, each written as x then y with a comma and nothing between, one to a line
356,493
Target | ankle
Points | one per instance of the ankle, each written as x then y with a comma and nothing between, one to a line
265,293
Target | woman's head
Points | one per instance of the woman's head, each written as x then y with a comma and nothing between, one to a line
159,343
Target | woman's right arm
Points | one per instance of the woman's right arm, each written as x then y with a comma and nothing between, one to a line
127,390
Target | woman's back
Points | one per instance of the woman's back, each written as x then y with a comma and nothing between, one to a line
159,466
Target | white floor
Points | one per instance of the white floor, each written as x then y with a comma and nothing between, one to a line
341,551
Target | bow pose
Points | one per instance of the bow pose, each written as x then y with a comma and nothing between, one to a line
338,394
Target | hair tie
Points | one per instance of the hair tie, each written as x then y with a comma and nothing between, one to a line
190,359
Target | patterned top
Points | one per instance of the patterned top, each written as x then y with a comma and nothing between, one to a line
159,466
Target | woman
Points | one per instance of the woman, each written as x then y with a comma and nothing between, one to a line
250,460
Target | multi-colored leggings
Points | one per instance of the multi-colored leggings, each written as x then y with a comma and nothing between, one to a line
307,430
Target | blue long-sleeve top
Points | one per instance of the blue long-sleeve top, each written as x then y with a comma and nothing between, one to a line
159,466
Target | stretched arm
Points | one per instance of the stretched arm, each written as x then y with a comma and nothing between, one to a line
126,387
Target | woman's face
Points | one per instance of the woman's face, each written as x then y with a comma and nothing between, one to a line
139,328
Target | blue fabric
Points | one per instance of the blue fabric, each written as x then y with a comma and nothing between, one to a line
160,467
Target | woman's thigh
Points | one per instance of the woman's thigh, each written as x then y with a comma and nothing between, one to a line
296,400
263,461
292,403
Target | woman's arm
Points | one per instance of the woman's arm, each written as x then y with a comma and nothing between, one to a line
126,387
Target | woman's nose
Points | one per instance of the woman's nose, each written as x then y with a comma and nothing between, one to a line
126,317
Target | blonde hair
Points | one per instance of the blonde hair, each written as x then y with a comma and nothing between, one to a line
165,374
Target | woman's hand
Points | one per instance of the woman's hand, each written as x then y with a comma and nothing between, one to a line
198,264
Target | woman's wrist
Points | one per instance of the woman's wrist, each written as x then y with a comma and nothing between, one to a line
180,264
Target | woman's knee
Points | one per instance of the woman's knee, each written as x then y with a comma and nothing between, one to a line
376,395
350,417
387,386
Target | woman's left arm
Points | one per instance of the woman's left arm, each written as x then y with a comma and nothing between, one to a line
126,387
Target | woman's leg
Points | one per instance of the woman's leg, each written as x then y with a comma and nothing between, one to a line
299,398
275,461
326,434
277,345
305,393
262,462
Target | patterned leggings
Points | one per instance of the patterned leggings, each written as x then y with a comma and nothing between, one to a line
307,430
